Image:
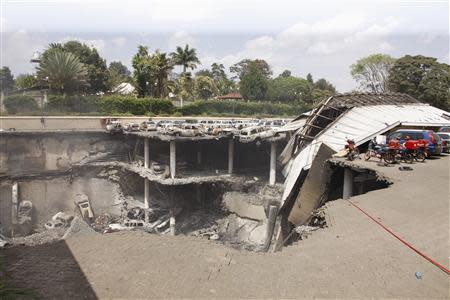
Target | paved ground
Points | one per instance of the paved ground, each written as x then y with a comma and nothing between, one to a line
353,258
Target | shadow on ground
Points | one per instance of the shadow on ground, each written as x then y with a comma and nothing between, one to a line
50,271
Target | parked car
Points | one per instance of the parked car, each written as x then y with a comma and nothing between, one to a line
255,133
149,125
83,204
132,127
114,127
4,242
184,130
53,224
434,141
445,138
127,225
444,129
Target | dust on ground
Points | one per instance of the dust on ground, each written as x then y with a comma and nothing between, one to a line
352,258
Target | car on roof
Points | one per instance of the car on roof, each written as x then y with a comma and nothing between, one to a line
445,138
187,130
434,140
255,133
444,129
164,123
132,127
149,125
114,127
4,241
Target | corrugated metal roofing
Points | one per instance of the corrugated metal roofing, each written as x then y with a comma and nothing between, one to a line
363,99
360,124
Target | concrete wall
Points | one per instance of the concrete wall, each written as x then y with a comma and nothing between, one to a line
57,151
50,196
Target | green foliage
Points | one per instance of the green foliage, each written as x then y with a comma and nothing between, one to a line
243,66
6,79
423,78
218,107
187,58
151,73
117,73
62,71
204,87
286,73
25,81
253,84
288,89
371,72
20,104
109,105
95,65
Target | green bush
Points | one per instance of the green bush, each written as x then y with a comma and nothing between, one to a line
20,104
220,107
109,105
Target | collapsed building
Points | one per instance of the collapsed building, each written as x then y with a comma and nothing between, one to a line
215,187
311,179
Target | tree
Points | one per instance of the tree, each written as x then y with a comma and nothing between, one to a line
151,73
25,81
62,71
142,73
186,57
324,85
204,87
6,80
253,84
310,78
95,65
371,72
205,72
423,78
241,67
218,71
288,89
285,73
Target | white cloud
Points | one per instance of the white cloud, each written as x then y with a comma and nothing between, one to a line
181,38
3,24
98,44
119,41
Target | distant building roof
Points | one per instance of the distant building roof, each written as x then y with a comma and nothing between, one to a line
233,95
362,99
124,88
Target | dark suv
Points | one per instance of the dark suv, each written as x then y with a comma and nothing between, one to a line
434,141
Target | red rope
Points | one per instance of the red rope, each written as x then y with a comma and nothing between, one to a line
447,271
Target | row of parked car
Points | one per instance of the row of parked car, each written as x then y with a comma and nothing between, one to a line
437,142
246,130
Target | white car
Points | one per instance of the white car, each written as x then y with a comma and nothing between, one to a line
132,127
53,224
255,133
4,242
149,126
127,225
114,126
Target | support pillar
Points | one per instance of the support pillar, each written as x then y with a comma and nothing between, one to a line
230,156
146,153
173,159
15,202
273,163
273,212
172,223
199,155
146,198
347,190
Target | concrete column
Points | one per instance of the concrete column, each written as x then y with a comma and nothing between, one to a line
273,163
2,98
273,212
15,201
172,223
146,153
199,155
230,156
347,190
146,198
173,159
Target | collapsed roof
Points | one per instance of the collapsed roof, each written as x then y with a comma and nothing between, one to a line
357,116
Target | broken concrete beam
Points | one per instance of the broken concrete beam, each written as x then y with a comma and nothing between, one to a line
245,209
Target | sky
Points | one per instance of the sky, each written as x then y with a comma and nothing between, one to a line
323,37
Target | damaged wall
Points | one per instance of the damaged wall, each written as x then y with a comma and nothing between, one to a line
54,151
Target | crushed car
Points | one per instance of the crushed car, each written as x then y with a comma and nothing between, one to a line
149,125
255,133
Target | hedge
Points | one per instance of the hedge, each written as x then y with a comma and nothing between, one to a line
223,107
20,104
109,105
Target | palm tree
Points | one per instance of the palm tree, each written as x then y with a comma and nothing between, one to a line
62,71
161,68
185,57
